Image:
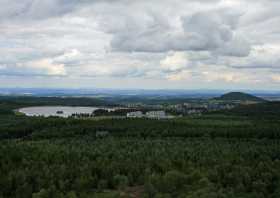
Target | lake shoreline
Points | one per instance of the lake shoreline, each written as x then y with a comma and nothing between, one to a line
59,111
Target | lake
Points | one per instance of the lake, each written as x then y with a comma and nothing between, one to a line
60,111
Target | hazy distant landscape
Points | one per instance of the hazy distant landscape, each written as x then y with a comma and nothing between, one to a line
199,93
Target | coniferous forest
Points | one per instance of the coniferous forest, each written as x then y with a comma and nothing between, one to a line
217,155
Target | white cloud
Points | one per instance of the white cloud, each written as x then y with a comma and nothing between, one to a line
179,76
45,67
224,76
276,78
72,56
261,56
174,61
202,42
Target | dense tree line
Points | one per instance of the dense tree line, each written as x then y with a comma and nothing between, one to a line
217,156
208,126
162,167
260,110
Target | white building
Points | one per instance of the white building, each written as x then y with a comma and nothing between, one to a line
135,114
156,114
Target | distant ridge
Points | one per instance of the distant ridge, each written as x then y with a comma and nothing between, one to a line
240,96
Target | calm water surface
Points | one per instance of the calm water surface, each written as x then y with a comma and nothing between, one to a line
61,111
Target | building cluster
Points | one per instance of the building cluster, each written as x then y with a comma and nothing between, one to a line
82,115
156,114
219,106
149,114
135,114
143,105
199,108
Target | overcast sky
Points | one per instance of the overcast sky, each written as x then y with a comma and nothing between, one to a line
182,44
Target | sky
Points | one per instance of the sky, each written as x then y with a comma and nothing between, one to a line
147,44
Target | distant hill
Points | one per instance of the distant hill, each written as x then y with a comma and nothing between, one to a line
239,96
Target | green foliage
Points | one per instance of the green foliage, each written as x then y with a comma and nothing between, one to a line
267,110
120,181
175,167
211,156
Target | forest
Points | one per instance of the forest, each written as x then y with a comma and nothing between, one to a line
222,155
